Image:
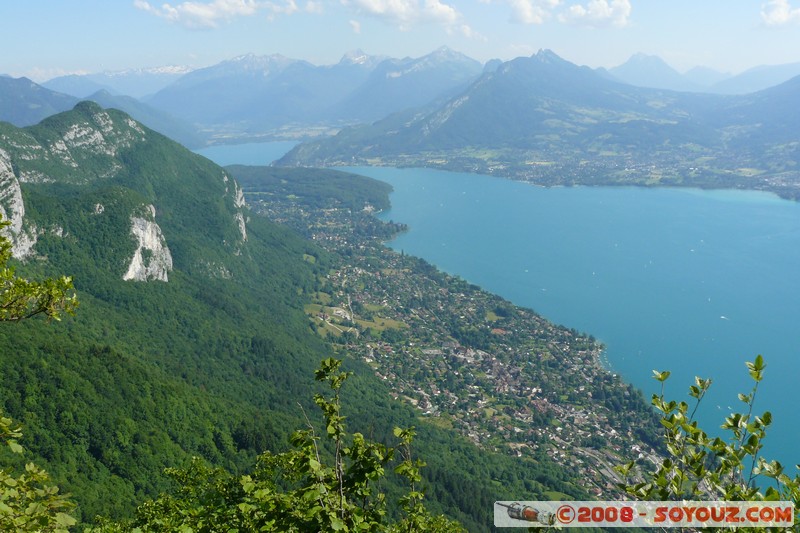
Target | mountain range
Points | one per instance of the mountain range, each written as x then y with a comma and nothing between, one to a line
251,96
544,119
645,70
191,338
258,94
24,103
255,97
138,83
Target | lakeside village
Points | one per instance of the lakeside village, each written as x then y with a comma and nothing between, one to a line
501,375
567,166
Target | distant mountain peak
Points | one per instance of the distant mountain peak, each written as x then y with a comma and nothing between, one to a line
101,93
545,55
445,51
254,60
550,59
492,65
645,70
445,54
641,58
355,57
165,69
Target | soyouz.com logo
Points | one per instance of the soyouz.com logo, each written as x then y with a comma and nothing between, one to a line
643,514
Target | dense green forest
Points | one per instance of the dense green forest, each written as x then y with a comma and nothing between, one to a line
216,363
315,188
148,375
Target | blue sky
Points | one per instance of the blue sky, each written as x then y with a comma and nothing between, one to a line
45,38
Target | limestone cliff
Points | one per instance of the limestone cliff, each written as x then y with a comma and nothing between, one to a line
12,209
152,259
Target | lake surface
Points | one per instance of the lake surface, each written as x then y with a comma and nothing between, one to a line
696,282
247,154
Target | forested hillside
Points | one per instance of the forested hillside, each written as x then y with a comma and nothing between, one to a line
204,349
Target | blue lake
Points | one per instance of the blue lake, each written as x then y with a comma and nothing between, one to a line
247,154
696,282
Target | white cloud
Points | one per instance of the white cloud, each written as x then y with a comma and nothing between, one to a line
404,13
356,25
287,8
469,33
466,31
532,11
314,7
204,15
779,13
599,13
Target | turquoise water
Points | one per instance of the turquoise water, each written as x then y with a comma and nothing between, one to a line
696,282
247,154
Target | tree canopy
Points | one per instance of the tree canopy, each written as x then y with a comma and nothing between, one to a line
21,298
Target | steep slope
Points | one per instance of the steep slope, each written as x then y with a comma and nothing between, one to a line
91,149
153,118
191,338
398,84
762,127
23,102
185,307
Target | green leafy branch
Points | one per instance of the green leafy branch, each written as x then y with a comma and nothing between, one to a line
698,467
21,299
28,501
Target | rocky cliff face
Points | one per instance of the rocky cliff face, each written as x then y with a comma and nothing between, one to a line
152,259
238,201
79,151
12,209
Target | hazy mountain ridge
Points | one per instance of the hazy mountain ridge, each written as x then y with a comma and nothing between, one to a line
79,86
544,119
137,82
757,79
252,97
397,84
24,103
651,71
645,70
258,94
153,118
